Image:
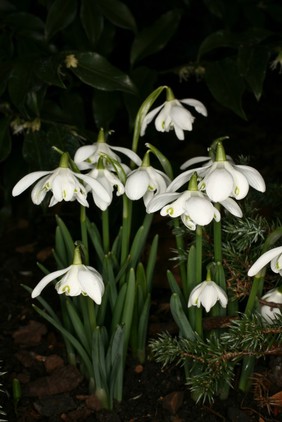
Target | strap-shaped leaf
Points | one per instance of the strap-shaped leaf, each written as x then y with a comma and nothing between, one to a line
174,287
180,318
5,138
96,71
92,20
154,38
68,240
151,262
118,13
143,330
60,15
165,163
226,84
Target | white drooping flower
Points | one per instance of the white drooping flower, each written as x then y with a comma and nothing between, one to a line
193,207
274,256
207,294
89,155
146,182
221,179
76,279
109,181
172,115
270,312
63,183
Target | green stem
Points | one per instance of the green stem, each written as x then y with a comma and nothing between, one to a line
126,230
199,254
217,238
106,231
84,236
180,248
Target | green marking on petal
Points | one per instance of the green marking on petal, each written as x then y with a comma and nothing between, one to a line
237,190
170,211
66,290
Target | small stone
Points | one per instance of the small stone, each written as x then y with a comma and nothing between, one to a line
53,362
61,380
138,369
30,334
93,403
173,401
54,405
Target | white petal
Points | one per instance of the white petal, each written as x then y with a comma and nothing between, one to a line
137,184
200,210
159,201
63,187
263,260
199,107
241,185
218,184
230,205
195,160
27,181
130,154
182,179
46,280
186,220
83,153
179,132
176,208
148,118
195,294
92,284
163,120
38,193
95,186
182,117
254,177
276,264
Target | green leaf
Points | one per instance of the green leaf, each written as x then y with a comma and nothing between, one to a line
151,262
252,64
68,240
23,22
92,20
215,40
226,85
49,70
154,38
180,317
105,108
165,163
60,15
128,307
118,13
5,138
20,82
94,70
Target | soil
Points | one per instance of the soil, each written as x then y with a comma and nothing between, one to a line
33,357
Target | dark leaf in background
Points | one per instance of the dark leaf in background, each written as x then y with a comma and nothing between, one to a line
60,15
252,64
118,14
155,37
20,82
49,70
92,20
219,39
105,106
226,85
5,138
22,21
38,151
96,71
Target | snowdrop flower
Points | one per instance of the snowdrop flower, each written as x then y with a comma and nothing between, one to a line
65,185
199,210
268,312
146,182
109,181
207,294
172,115
77,279
88,155
192,206
274,256
221,179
